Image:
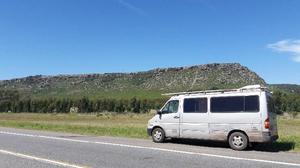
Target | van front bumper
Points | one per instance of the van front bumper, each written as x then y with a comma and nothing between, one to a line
149,131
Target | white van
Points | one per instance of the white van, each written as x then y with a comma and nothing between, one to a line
238,116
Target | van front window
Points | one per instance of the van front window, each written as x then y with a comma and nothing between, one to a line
171,107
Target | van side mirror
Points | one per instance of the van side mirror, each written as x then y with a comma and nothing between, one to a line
159,112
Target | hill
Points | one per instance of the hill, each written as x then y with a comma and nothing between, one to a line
289,88
147,84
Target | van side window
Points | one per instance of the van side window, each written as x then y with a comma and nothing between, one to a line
195,105
171,107
227,104
251,103
235,104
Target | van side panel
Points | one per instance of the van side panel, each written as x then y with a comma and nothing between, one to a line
252,123
221,124
194,125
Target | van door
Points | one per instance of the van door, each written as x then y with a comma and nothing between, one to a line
169,119
194,121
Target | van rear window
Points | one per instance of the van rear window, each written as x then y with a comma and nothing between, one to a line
195,105
271,106
235,104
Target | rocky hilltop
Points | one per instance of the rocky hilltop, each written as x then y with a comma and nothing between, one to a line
200,77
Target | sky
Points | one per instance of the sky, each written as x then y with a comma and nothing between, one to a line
51,37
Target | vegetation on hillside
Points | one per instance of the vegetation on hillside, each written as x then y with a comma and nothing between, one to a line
286,102
142,85
10,102
130,92
289,88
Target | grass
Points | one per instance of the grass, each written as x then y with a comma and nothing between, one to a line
127,125
289,133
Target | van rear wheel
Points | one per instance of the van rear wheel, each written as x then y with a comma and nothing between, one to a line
238,141
158,135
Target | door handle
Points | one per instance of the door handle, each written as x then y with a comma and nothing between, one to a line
176,117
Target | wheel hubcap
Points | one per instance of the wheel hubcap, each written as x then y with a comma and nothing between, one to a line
238,141
157,135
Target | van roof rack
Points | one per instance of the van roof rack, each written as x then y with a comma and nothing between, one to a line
249,87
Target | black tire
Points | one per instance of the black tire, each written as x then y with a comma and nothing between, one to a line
238,141
158,135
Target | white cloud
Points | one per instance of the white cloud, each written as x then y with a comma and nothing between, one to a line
289,46
132,7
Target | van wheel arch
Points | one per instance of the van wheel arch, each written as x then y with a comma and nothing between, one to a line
232,131
156,127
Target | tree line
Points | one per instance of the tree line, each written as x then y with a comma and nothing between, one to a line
286,102
10,101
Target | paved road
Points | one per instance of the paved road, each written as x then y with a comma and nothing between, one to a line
24,148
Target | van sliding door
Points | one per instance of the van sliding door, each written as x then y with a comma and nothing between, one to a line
194,123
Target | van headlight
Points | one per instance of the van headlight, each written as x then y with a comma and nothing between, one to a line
150,124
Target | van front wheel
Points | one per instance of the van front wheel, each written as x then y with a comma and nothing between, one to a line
238,141
158,135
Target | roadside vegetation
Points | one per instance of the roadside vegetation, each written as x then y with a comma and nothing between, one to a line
289,133
127,125
110,124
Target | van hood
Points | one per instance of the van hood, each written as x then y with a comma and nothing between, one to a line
152,122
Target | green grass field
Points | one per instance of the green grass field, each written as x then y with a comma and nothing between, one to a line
289,133
126,125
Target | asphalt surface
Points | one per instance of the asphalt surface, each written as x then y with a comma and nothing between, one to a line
26,148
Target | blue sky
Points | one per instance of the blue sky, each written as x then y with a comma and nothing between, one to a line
95,36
